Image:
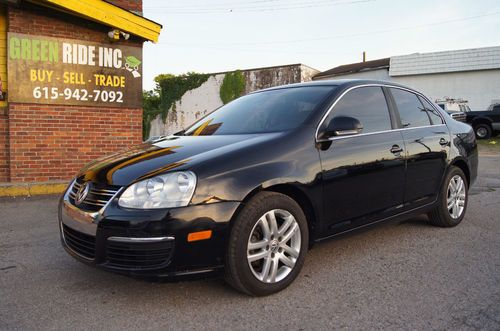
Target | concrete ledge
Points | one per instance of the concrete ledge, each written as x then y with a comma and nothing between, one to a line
29,189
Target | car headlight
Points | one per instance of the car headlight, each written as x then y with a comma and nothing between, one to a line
174,189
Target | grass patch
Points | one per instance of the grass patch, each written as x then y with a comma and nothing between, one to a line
489,146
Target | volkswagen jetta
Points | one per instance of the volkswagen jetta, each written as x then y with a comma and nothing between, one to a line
248,188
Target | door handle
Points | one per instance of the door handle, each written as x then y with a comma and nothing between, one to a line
395,149
443,142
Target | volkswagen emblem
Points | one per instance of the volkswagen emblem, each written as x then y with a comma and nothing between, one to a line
82,193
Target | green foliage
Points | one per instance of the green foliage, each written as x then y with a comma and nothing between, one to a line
151,108
232,86
169,89
172,88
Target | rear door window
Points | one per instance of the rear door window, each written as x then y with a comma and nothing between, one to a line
411,111
431,112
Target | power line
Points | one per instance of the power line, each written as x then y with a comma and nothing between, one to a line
258,8
245,5
213,46
196,6
238,49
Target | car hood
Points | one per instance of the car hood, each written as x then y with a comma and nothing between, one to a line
171,153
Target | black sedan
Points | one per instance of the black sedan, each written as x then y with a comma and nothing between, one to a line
248,188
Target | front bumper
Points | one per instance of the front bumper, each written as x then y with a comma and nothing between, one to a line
147,242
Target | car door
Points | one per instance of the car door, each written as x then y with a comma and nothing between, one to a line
427,142
363,175
495,116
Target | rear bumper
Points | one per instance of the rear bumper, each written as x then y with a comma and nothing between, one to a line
147,242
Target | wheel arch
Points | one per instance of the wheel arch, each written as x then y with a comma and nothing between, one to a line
482,120
462,164
295,193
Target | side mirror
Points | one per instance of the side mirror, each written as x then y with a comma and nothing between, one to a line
343,126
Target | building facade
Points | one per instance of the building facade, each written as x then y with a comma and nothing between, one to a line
202,100
70,82
468,74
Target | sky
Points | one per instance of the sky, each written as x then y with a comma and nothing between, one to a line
222,35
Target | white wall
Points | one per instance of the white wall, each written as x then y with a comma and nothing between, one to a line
460,60
307,73
193,105
480,88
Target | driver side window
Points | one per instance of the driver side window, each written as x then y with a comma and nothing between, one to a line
366,104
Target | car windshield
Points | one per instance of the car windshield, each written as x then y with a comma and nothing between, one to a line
263,112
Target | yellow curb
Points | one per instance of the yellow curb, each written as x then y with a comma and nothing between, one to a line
29,189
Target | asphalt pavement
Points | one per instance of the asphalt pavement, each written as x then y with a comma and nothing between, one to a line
406,275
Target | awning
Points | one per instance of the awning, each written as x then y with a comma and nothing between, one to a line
108,14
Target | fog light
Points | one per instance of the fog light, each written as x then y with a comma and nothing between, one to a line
200,235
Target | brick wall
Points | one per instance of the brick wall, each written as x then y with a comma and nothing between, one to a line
47,142
36,20
53,142
4,148
132,5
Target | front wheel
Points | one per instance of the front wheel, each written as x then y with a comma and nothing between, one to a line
452,200
267,244
483,131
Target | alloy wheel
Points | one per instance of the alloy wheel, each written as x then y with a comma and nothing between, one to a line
481,132
456,196
274,246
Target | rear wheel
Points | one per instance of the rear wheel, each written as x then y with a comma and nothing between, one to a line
483,131
452,201
267,245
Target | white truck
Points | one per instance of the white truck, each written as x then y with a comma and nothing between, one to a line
455,107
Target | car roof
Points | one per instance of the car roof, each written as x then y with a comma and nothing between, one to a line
343,83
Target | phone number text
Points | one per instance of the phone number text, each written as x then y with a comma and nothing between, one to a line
54,93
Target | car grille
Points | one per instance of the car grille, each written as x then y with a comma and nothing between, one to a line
139,255
98,196
81,243
459,116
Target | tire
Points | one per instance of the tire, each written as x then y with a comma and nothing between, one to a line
249,239
444,216
483,131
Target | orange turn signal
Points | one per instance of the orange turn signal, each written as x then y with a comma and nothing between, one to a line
200,235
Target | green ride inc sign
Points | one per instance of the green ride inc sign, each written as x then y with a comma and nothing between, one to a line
73,72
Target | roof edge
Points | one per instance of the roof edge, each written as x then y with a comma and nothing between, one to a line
108,14
356,67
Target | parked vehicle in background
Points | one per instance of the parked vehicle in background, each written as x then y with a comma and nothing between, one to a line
485,123
456,108
458,115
